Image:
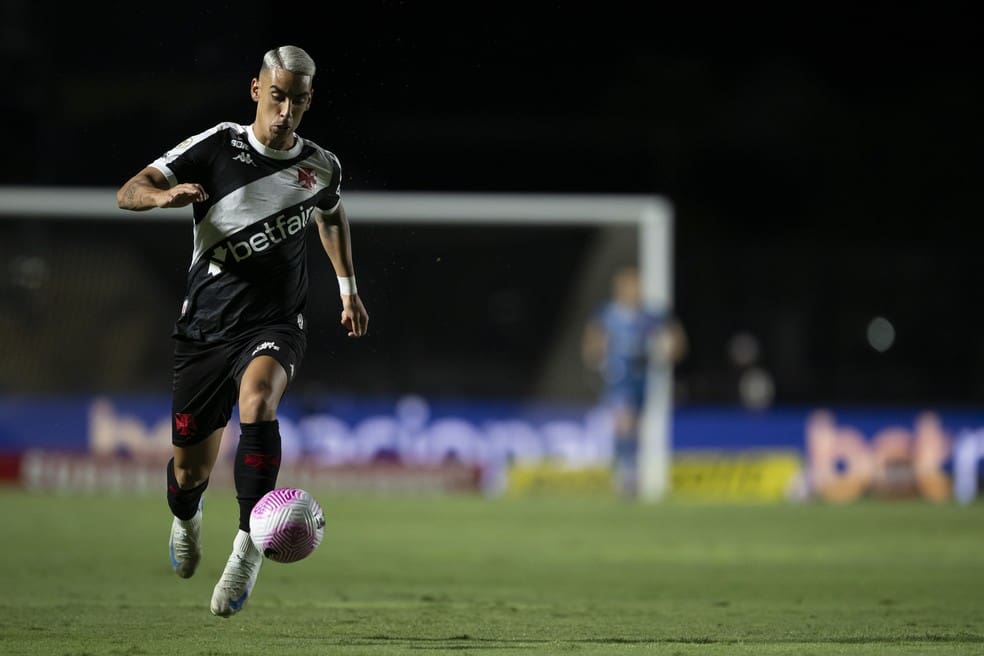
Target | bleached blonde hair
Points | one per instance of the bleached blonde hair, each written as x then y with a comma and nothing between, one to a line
289,58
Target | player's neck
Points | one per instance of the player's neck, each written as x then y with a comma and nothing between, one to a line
270,141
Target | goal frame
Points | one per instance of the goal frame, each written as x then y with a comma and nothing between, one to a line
651,216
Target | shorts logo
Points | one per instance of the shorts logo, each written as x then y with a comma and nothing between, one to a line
260,461
184,424
265,346
300,321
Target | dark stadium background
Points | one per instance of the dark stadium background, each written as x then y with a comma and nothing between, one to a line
824,165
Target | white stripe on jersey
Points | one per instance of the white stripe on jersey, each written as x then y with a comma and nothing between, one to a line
258,200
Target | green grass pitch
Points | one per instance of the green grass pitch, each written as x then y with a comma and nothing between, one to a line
414,575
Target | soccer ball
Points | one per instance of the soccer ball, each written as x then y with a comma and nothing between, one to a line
287,524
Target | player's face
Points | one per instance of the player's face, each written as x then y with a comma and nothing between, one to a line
281,99
627,289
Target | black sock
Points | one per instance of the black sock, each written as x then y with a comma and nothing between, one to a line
183,503
257,465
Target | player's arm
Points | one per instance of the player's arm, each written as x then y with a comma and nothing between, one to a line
594,343
149,189
670,344
333,228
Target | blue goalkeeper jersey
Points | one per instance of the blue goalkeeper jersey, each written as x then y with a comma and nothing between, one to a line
628,331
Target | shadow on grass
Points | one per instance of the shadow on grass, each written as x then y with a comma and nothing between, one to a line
471,642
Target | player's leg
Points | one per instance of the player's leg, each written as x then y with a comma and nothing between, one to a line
627,404
187,477
626,447
263,383
258,453
203,394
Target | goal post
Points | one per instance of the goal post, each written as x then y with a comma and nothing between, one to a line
650,216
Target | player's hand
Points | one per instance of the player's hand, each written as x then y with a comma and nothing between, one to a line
354,315
182,195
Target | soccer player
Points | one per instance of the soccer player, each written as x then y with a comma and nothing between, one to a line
619,342
240,335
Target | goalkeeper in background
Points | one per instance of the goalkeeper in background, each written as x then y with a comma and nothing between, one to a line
620,342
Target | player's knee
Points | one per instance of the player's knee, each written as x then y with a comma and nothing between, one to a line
257,403
190,475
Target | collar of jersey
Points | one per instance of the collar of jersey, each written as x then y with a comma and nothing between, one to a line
273,153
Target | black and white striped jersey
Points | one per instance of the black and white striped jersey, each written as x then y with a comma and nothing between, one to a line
249,267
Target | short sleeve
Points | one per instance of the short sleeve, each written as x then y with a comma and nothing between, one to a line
332,193
187,161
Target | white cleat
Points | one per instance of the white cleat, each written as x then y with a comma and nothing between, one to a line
186,544
234,586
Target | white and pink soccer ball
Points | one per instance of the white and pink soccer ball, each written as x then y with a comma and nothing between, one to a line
287,525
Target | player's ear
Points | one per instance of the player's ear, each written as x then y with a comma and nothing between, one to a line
254,89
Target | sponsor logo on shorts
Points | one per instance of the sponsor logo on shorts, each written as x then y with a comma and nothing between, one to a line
266,346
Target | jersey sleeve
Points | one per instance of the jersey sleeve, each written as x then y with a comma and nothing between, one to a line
187,161
332,193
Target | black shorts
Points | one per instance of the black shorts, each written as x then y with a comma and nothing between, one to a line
206,380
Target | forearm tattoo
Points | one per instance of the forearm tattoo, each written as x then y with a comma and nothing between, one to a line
129,192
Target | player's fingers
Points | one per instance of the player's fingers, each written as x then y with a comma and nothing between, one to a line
356,327
194,192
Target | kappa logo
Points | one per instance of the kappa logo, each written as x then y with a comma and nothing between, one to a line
306,177
266,346
245,158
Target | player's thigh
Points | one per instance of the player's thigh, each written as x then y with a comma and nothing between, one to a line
263,384
267,364
203,393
